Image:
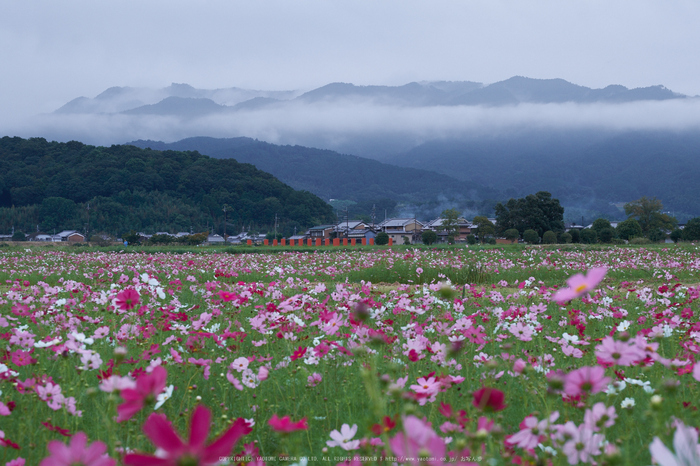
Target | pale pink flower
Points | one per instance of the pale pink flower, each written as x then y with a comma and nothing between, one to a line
532,431
580,285
572,351
582,443
249,378
519,366
236,383
332,326
599,416
117,383
240,364
621,353
685,444
48,392
696,371
314,379
72,408
343,439
76,453
521,331
427,386
418,440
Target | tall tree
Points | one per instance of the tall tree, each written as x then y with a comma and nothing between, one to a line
648,213
484,227
539,212
450,221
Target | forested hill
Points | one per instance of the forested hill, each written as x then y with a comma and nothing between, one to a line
332,175
49,184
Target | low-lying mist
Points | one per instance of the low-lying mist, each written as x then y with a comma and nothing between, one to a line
360,127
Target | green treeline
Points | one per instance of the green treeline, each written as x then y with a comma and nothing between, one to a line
49,185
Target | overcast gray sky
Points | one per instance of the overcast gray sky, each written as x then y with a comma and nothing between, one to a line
53,51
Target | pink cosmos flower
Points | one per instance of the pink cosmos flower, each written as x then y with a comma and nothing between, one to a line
240,364
148,387
75,454
314,379
286,425
685,442
16,462
418,441
173,451
115,383
620,353
127,299
521,331
343,439
583,443
599,416
586,380
580,285
532,431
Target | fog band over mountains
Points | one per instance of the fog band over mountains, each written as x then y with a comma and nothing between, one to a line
363,120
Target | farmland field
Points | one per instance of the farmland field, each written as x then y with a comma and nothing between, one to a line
403,355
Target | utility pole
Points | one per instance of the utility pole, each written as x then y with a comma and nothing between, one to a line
225,219
347,223
415,227
374,214
276,227
87,230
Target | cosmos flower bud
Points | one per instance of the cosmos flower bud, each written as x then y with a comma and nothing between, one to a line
361,312
119,354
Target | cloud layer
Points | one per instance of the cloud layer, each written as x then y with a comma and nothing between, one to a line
342,124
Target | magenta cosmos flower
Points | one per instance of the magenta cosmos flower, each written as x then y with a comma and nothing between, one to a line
175,452
580,285
127,299
286,425
75,454
148,387
489,399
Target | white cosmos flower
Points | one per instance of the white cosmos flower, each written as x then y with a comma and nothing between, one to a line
624,325
46,344
627,403
164,396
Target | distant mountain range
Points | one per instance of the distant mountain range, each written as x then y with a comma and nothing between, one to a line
136,100
331,175
438,142
183,100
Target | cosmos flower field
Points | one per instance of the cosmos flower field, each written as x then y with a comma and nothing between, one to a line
511,355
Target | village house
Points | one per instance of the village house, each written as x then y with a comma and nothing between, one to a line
71,236
402,229
464,229
321,232
345,229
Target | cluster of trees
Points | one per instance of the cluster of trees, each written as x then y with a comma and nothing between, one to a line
539,218
49,185
531,218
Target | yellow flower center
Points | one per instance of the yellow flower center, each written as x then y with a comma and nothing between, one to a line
580,288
